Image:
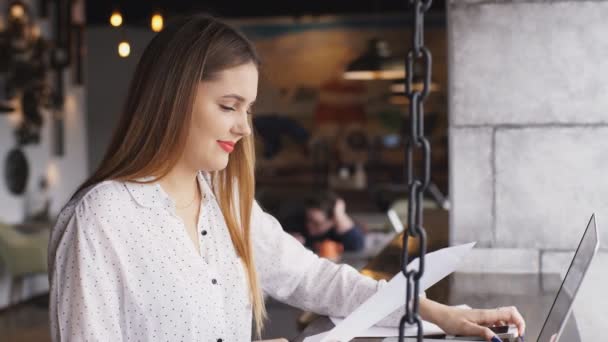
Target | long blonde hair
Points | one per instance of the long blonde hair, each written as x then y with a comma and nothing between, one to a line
151,134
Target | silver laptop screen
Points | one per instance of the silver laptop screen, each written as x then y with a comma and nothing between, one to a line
572,281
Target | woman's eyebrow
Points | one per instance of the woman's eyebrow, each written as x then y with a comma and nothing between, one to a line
238,98
235,96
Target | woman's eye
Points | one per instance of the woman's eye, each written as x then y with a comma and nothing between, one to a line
227,108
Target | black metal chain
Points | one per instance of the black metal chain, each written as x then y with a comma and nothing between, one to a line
417,183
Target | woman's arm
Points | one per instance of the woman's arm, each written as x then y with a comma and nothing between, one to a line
84,292
294,275
458,321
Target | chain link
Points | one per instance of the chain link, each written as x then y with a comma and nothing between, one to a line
418,180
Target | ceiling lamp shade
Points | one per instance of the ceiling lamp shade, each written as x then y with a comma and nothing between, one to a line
376,63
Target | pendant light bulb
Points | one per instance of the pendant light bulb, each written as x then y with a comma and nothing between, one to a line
116,19
124,49
157,22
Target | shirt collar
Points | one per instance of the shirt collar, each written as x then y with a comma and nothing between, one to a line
151,195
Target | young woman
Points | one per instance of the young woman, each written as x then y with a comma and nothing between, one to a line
165,240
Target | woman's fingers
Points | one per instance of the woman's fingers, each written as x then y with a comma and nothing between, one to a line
512,315
473,329
500,324
508,315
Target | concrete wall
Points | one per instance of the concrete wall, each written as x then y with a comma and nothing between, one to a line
528,121
528,135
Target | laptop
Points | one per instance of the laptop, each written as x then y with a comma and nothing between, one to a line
553,328
562,306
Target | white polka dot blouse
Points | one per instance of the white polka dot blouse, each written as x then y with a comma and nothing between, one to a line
122,268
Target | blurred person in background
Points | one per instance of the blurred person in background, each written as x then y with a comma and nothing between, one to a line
325,218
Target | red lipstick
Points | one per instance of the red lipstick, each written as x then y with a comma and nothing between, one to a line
226,145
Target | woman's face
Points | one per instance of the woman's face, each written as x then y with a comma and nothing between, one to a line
220,117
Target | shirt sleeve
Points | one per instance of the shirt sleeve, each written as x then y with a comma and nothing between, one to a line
292,274
84,283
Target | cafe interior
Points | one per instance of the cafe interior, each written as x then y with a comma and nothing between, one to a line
514,119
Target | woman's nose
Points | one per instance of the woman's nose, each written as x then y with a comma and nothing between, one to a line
242,126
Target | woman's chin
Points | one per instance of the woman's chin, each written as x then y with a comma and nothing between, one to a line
218,165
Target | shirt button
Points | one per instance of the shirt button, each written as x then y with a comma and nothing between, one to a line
213,281
204,232
219,340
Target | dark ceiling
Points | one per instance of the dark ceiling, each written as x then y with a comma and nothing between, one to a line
138,12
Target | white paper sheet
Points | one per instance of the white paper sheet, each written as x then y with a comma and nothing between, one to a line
377,331
392,296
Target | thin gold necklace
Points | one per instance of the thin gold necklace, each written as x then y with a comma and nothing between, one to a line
189,204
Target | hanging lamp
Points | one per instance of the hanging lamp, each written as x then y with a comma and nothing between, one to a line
376,63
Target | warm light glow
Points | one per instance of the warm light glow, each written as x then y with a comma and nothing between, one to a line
400,87
375,75
15,117
124,49
116,19
36,31
399,100
157,22
52,174
17,11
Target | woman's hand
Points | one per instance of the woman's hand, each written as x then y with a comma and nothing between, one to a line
475,322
